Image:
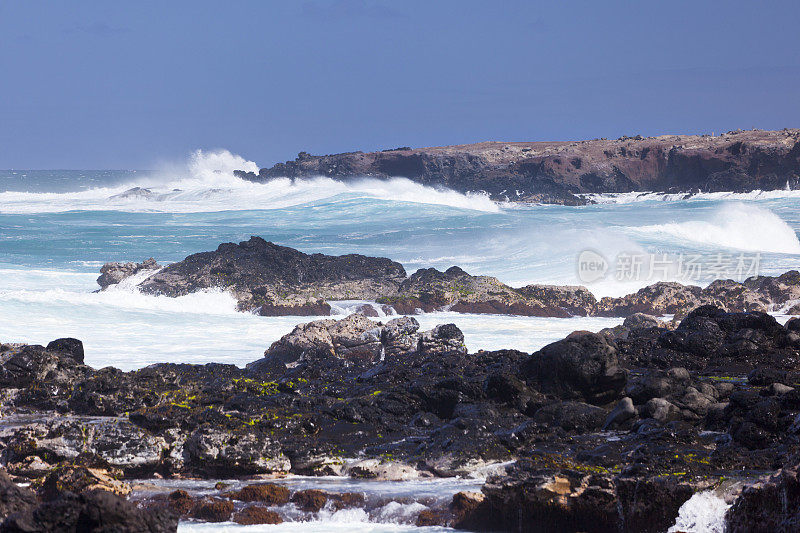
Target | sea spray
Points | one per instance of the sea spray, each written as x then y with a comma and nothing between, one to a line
704,512
736,226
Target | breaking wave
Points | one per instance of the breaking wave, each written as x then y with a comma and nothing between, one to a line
704,512
207,184
649,196
737,225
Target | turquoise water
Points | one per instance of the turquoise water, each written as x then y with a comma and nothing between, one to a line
58,227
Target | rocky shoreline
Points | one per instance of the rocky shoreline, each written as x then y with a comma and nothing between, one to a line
273,280
615,429
559,172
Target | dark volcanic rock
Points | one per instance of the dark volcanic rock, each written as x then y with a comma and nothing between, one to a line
68,346
429,289
534,500
772,504
96,511
277,279
711,338
13,498
556,171
583,366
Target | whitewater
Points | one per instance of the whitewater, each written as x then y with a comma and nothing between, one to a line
57,228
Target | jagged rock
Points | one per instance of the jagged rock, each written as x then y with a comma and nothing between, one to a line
79,479
357,339
429,289
583,366
444,338
533,500
13,498
69,347
638,321
276,279
771,504
93,511
114,273
247,453
710,337
118,442
400,336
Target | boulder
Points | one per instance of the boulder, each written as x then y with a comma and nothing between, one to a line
255,514
270,493
69,347
94,511
310,500
114,273
80,479
582,367
13,498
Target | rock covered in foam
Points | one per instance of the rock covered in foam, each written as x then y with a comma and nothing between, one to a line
114,273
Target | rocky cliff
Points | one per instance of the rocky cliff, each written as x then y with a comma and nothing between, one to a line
555,172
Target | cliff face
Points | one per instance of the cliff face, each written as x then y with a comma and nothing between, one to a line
557,171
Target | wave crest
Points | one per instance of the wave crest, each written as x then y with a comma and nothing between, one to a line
207,184
736,225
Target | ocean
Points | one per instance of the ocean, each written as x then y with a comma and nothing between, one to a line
57,228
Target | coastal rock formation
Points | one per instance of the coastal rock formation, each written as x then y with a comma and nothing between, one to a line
455,290
70,504
114,273
275,280
555,172
770,504
617,428
532,500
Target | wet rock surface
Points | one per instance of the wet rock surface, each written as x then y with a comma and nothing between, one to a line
594,421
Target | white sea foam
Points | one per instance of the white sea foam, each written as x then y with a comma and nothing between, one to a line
704,512
207,184
127,329
316,527
649,196
736,225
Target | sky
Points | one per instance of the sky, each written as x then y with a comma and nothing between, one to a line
130,85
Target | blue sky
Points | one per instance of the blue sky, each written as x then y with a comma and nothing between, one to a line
134,84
